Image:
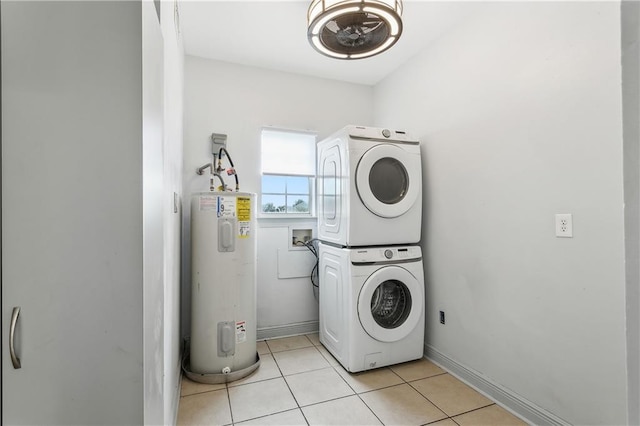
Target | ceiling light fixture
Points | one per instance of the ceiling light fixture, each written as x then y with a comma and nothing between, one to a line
353,29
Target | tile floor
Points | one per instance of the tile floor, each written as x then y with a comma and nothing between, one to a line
299,383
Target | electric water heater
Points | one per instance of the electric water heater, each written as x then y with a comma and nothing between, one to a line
223,288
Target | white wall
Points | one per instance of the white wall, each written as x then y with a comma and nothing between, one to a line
519,112
630,13
238,101
152,214
173,112
285,306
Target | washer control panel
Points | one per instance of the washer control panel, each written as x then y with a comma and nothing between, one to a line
385,254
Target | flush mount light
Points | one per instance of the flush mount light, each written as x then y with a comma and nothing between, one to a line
353,29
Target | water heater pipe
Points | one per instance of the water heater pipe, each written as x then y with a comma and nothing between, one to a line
201,170
220,169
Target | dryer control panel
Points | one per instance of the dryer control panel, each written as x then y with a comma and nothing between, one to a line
385,254
380,134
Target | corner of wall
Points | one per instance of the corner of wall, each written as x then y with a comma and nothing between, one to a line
630,41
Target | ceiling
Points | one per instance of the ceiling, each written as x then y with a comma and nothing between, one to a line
273,35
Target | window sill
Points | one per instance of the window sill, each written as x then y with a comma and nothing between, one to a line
286,220
287,216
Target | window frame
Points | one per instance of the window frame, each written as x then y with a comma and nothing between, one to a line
311,179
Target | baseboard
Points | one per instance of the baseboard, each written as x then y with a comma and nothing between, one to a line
287,330
519,406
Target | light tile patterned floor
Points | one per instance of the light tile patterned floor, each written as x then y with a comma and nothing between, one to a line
300,383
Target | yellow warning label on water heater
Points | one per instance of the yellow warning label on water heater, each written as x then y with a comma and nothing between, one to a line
243,213
243,209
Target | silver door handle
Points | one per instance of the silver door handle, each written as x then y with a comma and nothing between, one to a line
12,333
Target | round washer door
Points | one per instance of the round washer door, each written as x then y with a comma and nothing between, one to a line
388,180
390,303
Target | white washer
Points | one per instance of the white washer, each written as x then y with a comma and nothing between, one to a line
372,305
369,189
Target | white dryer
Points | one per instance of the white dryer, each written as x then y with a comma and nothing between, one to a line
372,305
369,187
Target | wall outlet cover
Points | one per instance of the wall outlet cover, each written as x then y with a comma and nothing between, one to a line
564,225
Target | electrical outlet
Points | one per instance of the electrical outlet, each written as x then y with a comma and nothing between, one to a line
564,225
441,317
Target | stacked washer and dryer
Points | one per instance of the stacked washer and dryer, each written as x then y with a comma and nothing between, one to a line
369,201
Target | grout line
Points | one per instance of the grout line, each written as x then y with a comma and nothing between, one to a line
305,371
272,414
308,371
370,409
409,384
277,365
257,381
275,412
292,349
291,392
288,337
436,421
303,416
428,377
381,388
471,411
229,401
398,384
401,378
343,379
201,392
328,400
425,397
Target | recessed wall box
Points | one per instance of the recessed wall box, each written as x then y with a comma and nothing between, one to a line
218,140
300,236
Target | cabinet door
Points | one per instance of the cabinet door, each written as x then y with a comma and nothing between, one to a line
72,212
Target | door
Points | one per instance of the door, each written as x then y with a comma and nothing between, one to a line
390,303
72,212
330,193
333,298
388,180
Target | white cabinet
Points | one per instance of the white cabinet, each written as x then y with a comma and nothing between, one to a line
81,202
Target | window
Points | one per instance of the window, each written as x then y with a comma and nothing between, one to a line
288,170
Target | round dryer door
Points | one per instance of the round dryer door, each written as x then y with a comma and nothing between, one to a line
388,180
390,303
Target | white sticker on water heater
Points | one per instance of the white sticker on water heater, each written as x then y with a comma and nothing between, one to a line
226,207
207,203
244,229
241,332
